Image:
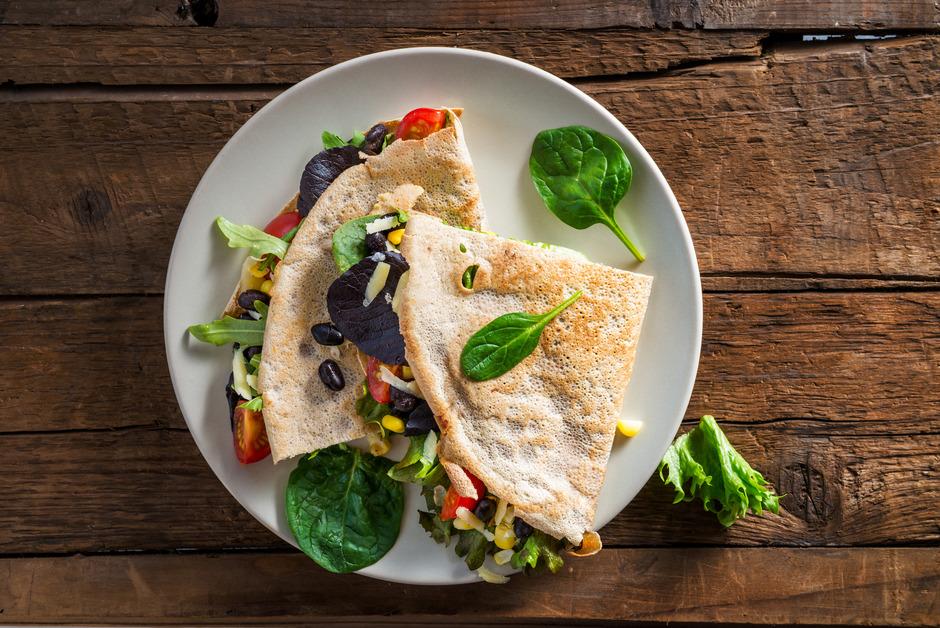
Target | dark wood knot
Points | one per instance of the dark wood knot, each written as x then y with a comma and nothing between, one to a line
90,208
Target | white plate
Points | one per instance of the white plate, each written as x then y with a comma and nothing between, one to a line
505,104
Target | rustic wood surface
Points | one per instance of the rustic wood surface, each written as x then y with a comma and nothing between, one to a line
809,174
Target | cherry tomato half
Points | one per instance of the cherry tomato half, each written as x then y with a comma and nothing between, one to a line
282,224
379,389
251,439
419,123
453,500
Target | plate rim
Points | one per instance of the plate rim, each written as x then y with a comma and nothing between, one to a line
636,149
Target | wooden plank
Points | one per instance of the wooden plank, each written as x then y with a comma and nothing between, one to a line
795,163
862,483
141,55
890,586
843,357
573,14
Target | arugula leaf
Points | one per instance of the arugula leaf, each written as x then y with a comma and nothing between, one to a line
332,140
255,404
505,341
257,241
581,175
440,531
419,461
343,509
247,333
472,547
358,139
704,460
539,546
370,409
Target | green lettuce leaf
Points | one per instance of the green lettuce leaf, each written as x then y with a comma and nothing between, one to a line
419,464
439,530
257,241
332,140
472,547
255,404
539,547
247,333
702,463
370,409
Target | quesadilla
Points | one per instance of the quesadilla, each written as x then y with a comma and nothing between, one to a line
539,435
302,410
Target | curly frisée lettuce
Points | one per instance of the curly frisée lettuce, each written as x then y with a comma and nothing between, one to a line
702,463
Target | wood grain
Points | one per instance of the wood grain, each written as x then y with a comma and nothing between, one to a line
830,395
795,163
142,55
842,357
858,586
572,14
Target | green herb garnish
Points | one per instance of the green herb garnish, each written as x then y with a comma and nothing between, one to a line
419,465
257,241
581,175
247,333
468,276
343,509
539,547
702,463
506,341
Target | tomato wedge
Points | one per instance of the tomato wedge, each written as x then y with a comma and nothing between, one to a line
453,500
419,123
378,388
251,440
282,224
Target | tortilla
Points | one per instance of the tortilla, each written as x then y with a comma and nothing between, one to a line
300,413
540,435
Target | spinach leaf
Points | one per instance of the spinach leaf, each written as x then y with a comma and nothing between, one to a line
343,509
472,547
419,462
257,241
506,341
349,242
247,333
716,473
539,547
581,175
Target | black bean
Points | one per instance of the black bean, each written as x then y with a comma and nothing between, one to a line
521,529
327,334
402,402
375,138
331,375
251,352
485,509
233,399
375,242
420,421
246,299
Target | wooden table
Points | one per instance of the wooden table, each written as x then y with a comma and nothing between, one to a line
809,174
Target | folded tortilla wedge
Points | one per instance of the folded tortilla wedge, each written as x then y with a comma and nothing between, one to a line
540,435
300,413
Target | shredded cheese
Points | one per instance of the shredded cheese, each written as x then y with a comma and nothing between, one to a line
491,576
474,522
382,224
393,380
503,556
376,282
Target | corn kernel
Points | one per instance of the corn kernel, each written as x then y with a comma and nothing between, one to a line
395,236
266,286
406,373
504,537
257,270
393,424
629,427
